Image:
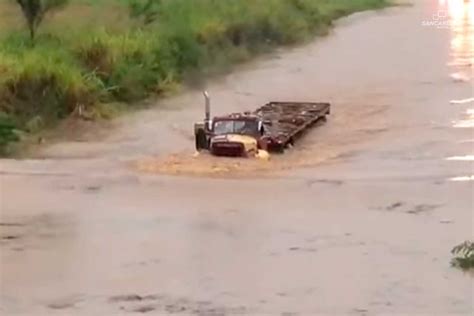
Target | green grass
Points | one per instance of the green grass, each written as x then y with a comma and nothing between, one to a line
93,52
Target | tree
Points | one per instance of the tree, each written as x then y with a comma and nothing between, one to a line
34,12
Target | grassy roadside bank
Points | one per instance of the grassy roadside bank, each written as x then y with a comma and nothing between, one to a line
95,53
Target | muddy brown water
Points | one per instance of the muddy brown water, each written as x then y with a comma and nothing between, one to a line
357,219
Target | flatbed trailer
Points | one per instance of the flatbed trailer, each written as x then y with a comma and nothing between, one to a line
285,122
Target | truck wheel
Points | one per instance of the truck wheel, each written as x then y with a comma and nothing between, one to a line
201,140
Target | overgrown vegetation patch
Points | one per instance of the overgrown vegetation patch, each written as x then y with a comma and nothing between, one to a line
75,54
463,255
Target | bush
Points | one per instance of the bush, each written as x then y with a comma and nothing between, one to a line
464,253
7,133
146,11
40,82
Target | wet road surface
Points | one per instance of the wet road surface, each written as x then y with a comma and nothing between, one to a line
357,219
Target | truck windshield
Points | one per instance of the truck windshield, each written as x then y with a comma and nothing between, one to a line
236,127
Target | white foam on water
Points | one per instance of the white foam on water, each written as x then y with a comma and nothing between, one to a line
462,179
462,101
461,158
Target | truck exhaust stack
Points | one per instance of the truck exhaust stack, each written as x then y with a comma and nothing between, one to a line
207,109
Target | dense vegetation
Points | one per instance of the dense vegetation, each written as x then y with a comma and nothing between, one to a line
464,255
88,53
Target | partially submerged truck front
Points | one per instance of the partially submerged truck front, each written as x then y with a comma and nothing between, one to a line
234,135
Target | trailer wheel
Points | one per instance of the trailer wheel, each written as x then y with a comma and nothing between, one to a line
200,140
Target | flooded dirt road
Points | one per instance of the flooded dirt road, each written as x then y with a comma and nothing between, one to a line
363,224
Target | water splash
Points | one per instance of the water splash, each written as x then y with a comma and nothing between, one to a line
462,179
461,158
467,121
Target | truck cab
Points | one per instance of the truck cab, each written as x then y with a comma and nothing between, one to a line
236,135
272,127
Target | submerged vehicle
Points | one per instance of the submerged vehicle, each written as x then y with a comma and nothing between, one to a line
273,127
